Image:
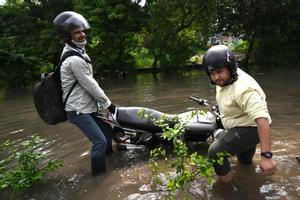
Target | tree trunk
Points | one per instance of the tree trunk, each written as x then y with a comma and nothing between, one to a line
248,54
154,64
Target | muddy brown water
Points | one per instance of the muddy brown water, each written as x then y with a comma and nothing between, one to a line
128,175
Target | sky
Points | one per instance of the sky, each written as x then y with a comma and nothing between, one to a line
142,2
2,2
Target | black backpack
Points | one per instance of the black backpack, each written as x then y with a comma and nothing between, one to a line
48,94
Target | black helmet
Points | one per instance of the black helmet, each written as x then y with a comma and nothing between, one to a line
217,57
66,21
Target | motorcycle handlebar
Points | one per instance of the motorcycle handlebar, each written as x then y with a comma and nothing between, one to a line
205,102
202,102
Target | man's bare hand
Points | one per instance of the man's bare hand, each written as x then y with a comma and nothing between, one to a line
267,166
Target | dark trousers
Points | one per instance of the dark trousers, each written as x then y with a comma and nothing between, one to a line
99,133
239,141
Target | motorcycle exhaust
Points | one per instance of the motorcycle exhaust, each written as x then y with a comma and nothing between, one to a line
125,146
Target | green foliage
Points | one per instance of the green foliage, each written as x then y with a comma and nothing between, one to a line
143,58
24,164
173,30
115,25
27,40
242,45
125,36
187,167
271,28
18,61
278,34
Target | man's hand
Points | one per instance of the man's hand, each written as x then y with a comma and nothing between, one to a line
267,166
112,108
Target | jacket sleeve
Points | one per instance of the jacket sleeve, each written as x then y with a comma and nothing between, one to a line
253,103
84,75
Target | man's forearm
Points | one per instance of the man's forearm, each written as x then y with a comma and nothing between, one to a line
263,129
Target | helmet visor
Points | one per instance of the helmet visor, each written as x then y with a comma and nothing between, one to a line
76,21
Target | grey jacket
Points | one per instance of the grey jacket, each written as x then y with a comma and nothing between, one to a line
87,96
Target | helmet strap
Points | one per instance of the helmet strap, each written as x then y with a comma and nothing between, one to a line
233,78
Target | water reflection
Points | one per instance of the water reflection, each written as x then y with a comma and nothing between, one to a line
128,175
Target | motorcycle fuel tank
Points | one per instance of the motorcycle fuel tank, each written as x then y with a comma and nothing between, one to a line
199,125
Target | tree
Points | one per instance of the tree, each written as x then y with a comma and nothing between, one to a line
113,33
278,36
18,59
44,12
175,30
270,27
27,41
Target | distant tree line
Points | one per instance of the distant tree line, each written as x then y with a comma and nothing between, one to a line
125,36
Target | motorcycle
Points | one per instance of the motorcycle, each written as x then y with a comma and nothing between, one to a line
132,128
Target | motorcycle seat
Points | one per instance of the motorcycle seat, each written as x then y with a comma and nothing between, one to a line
140,118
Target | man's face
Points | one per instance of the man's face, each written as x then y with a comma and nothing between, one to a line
220,76
78,35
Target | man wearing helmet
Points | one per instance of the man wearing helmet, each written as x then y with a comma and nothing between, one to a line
86,96
244,114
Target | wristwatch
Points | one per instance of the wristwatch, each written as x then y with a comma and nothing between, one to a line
267,154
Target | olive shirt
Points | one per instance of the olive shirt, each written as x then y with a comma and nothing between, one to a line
242,102
87,95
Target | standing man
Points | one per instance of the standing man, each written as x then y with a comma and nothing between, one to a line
87,96
244,114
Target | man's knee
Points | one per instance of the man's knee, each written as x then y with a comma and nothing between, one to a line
100,144
220,169
103,142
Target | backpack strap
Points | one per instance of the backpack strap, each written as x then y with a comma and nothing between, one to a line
69,92
71,53
63,58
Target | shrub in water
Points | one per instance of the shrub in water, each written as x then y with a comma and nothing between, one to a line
24,164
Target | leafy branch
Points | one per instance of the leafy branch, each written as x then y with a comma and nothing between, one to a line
23,165
185,167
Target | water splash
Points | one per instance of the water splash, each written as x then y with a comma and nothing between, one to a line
274,191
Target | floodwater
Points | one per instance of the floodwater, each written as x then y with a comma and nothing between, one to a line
128,175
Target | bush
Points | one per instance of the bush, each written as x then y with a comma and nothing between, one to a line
242,45
23,165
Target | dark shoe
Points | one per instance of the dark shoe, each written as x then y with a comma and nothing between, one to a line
98,173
